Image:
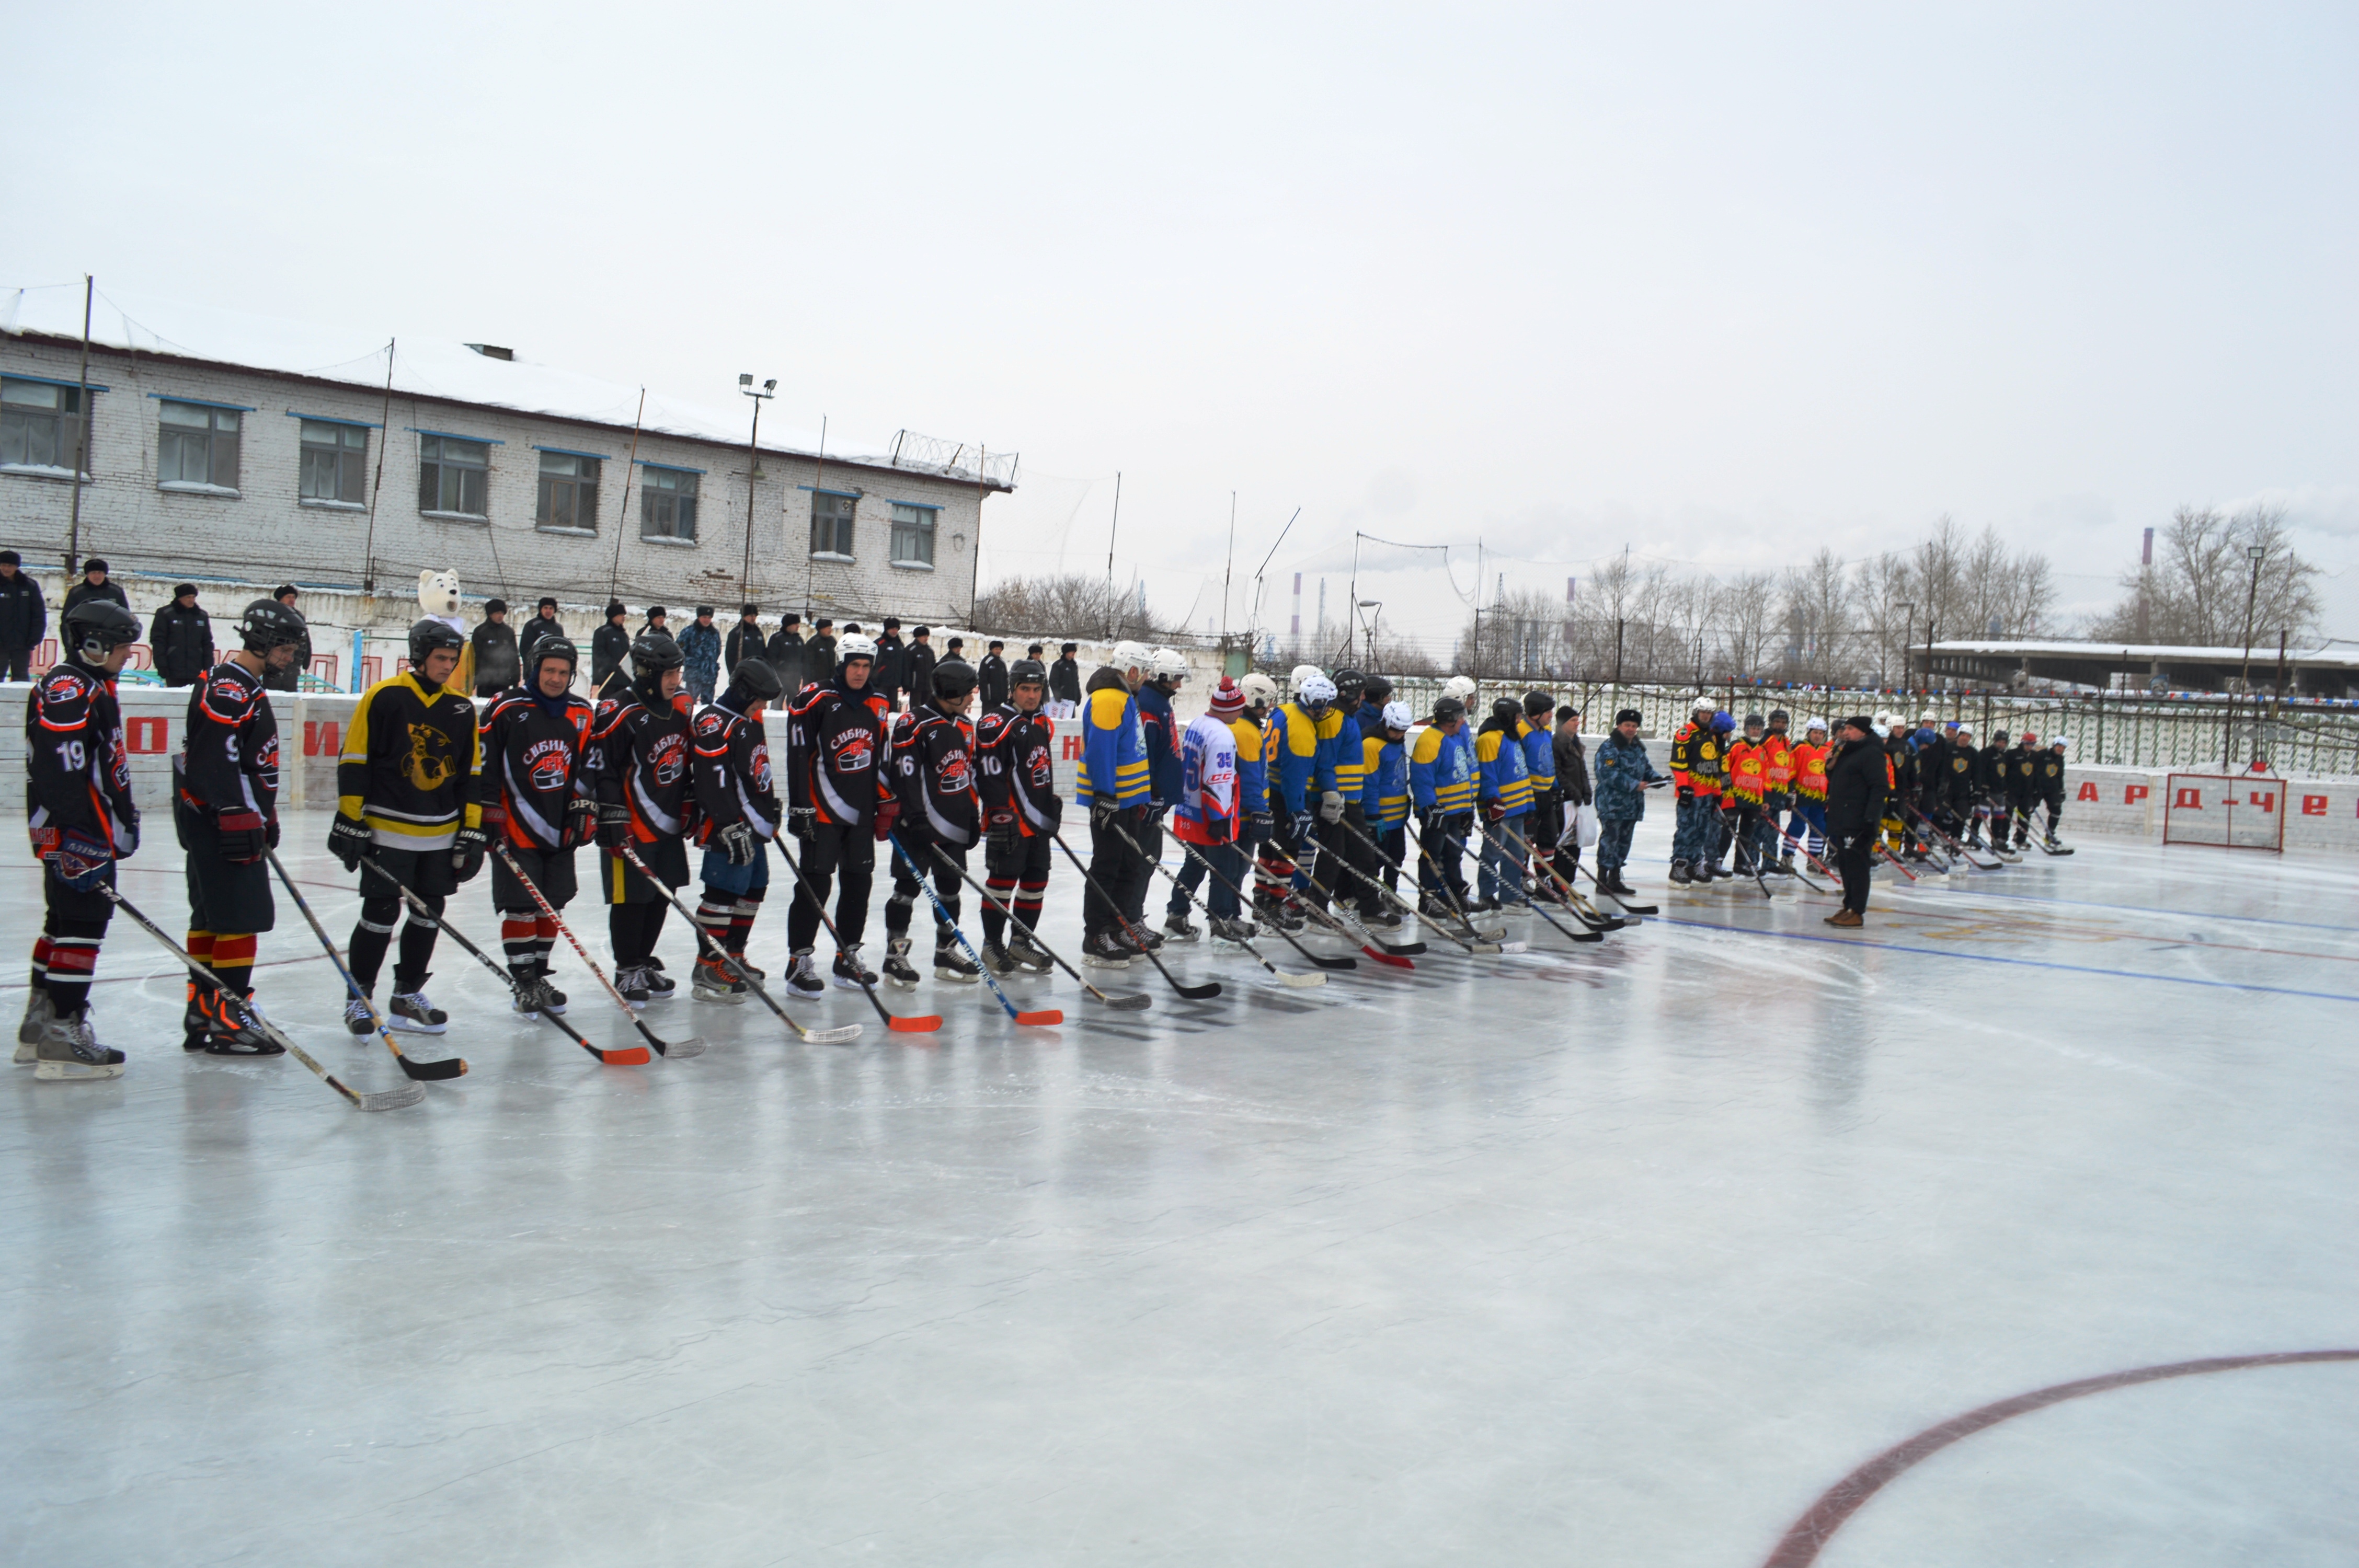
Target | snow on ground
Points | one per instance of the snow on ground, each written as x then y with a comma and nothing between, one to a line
1617,1255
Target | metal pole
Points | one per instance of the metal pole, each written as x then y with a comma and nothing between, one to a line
1113,528
82,434
2252,593
384,439
623,507
753,459
818,471
1227,572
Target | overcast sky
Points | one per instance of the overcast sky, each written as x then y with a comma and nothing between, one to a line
1719,284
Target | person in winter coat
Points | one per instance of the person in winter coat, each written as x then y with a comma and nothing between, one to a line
1065,680
819,653
789,657
610,650
24,618
1573,788
497,666
700,644
94,584
892,676
291,677
544,623
917,664
181,638
1624,773
993,675
1857,784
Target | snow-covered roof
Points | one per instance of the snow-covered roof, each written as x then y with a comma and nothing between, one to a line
423,367
2334,657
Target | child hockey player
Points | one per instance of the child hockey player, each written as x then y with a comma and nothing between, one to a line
839,803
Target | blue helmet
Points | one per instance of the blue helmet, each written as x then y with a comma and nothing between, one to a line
1722,722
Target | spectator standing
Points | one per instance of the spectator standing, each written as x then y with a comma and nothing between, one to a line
992,677
1857,782
892,676
1573,786
1065,682
918,665
180,638
819,653
609,649
745,640
790,657
497,662
24,618
289,679
658,620
544,623
957,650
94,584
700,644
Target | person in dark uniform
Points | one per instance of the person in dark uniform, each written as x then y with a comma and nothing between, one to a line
180,638
1065,680
290,676
893,665
738,815
991,677
1856,787
819,653
24,618
1021,810
788,655
940,819
2047,784
94,584
609,649
918,663
497,666
544,623
745,641
639,768
535,805
837,795
2022,761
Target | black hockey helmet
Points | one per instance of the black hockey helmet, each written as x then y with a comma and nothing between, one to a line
953,678
268,624
1377,690
1027,672
755,681
652,652
1779,715
1753,721
554,647
1505,710
96,627
1448,708
1538,702
431,635
1350,685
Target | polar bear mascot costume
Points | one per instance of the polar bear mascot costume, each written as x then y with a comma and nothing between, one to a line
438,599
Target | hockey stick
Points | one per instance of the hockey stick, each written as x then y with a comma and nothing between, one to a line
1533,905
629,1056
1046,1018
838,1036
681,1048
1193,993
1381,891
1794,842
1474,941
447,1067
384,1099
1126,1002
925,1025
1580,908
1393,953
1885,852
1633,910
1465,916
1339,965
1956,846
1313,978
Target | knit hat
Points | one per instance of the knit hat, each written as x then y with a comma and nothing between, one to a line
1228,702
1629,716
495,604
184,591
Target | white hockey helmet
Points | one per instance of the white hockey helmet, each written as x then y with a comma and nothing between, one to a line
1459,687
1129,655
1165,662
1260,689
1314,688
1397,716
855,645
1885,721
1815,727
1704,704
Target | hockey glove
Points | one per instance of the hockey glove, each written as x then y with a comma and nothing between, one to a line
348,841
1493,811
737,842
887,813
1102,812
243,836
1001,835
467,853
1306,824
581,821
1331,806
1053,808
1686,794
1218,829
79,859
1257,826
613,825
802,821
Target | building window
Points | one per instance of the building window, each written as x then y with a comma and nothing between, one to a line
197,446
666,503
40,425
454,475
913,534
830,525
335,463
568,490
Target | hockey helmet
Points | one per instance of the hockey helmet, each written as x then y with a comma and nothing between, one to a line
1722,722
1538,702
1505,710
1260,689
2056,742
268,624
1446,708
1166,664
1459,687
857,645
1753,723
1705,704
755,680
430,636
555,647
1815,727
1350,685
1396,716
1027,672
1378,690
1129,655
652,652
1779,715
953,678
1314,691
96,627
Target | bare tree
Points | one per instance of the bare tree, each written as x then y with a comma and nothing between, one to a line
1818,601
2197,590
1071,604
1749,619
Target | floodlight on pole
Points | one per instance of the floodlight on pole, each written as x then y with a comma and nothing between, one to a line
767,390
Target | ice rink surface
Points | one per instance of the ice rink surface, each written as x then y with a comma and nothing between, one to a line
1621,1255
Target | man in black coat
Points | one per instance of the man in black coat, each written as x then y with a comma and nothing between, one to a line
1065,680
94,584
181,638
991,677
496,663
609,649
1573,787
745,640
892,676
1856,792
544,623
818,653
788,656
291,677
918,666
24,618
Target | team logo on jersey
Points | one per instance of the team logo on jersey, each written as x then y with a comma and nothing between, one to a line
547,766
955,780
429,766
119,761
856,751
1043,770
268,760
761,765
668,763
62,686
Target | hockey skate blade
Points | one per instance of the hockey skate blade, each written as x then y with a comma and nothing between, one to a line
77,1073
925,1025
390,1099
1046,1019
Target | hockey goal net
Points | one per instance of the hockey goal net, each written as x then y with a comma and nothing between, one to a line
2227,811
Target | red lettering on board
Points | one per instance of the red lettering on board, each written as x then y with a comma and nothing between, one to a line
2313,806
146,734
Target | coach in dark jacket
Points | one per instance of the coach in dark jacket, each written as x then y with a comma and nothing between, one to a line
892,676
496,663
94,584
991,678
1856,792
181,638
1065,676
24,618
291,677
610,648
918,668
544,623
787,655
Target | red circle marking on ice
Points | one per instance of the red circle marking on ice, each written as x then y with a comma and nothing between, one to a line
1808,1537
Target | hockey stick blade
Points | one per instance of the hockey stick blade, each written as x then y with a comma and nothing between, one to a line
1123,1001
1048,1017
1205,992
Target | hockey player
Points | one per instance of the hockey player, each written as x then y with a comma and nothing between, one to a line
1778,795
1808,825
1345,862
534,802
2047,784
1956,806
1384,799
82,818
1014,748
1298,751
1504,791
940,814
1746,794
1211,815
1990,790
1114,783
1900,784
225,808
405,799
1547,823
2022,763
1695,780
639,769
1442,787
1166,670
839,805
737,816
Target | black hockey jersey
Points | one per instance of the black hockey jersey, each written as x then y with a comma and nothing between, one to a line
934,773
836,752
639,758
1016,754
733,772
409,760
77,762
229,751
532,770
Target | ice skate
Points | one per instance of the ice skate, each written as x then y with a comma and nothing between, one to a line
715,983
1382,918
1027,952
1138,939
952,965
995,959
38,1011
1232,930
231,1026
360,1016
899,971
1681,875
1106,951
754,974
69,1051
411,1011
1178,927
803,983
850,974
659,985
633,983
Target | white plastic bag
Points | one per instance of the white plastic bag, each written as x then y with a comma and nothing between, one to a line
1584,826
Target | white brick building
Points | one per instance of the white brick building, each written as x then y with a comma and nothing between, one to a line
228,447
